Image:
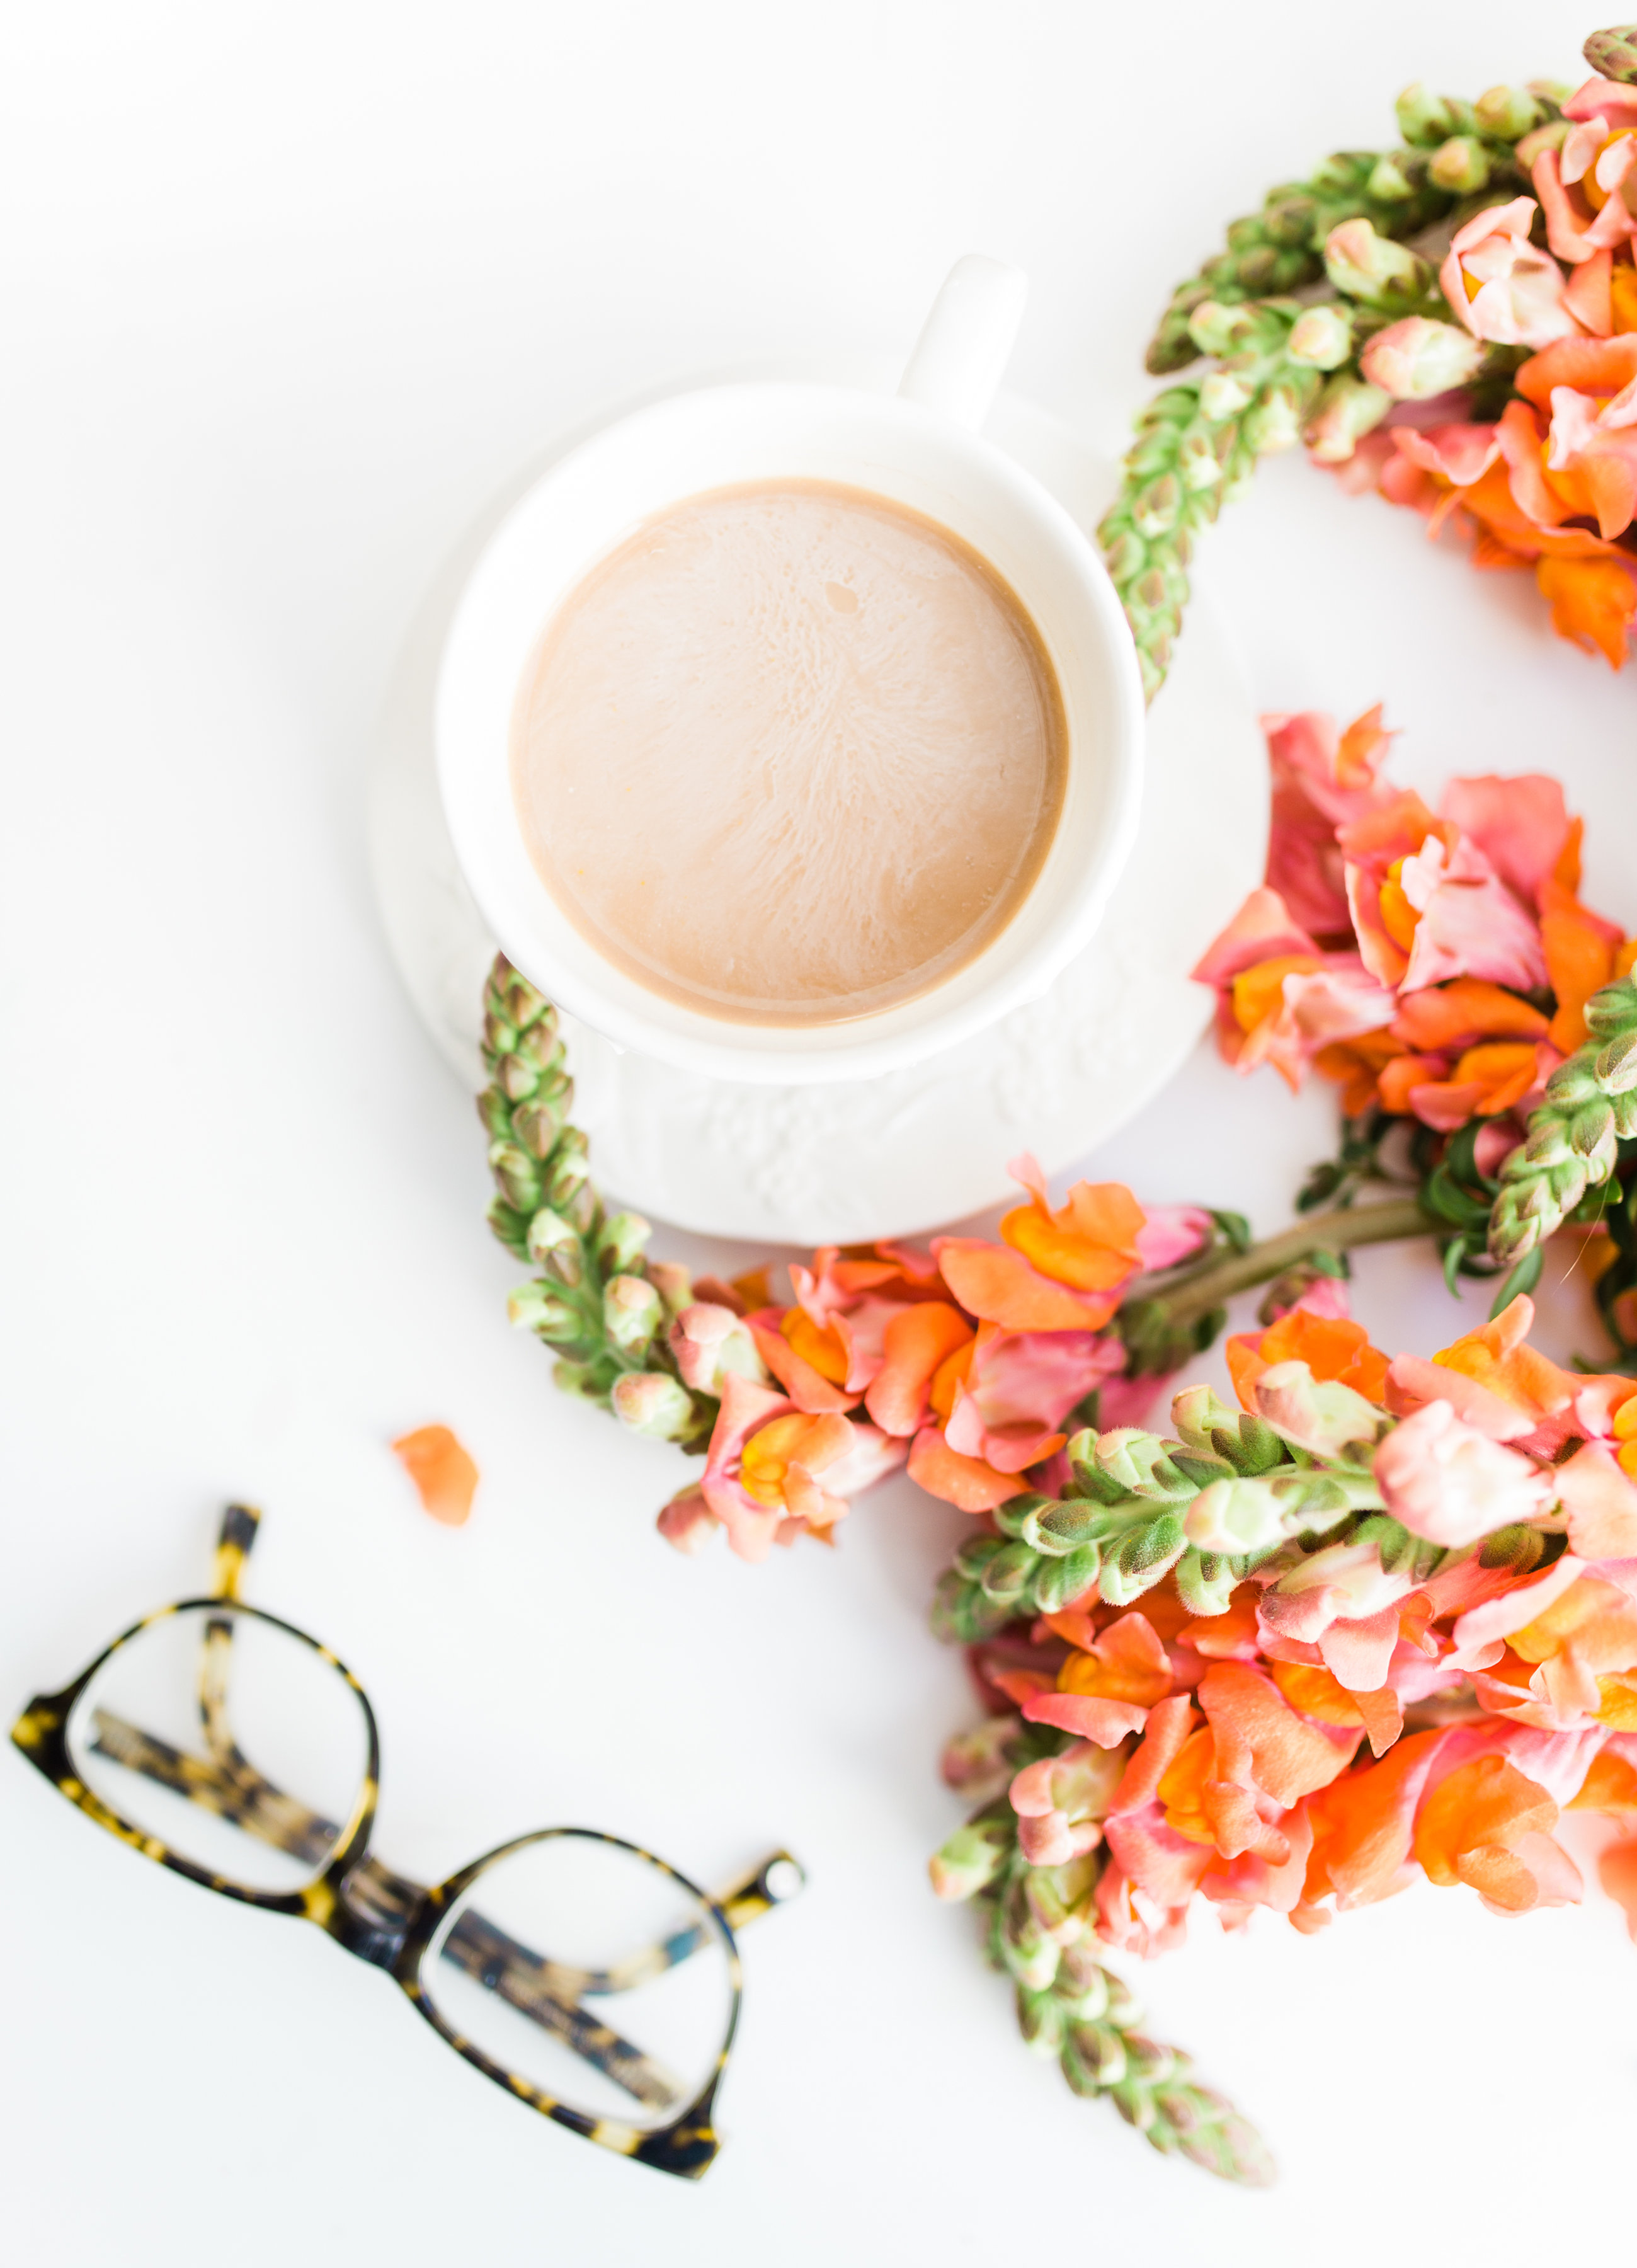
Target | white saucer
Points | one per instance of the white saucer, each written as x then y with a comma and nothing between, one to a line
905,1153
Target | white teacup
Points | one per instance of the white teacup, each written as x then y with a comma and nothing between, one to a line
920,448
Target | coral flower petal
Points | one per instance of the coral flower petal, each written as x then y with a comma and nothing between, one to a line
1107,1723
915,1343
999,1285
964,1482
444,1475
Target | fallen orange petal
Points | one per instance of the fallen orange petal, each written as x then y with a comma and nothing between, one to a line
444,1475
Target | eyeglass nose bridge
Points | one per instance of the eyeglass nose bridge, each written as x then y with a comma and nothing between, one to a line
369,1910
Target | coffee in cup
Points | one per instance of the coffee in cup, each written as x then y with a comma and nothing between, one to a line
792,753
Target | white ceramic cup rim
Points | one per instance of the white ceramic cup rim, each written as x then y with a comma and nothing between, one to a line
902,449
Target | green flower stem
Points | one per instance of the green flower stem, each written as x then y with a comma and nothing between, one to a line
1188,1299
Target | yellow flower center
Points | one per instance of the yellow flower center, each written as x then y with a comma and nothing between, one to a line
1398,916
767,1456
1257,992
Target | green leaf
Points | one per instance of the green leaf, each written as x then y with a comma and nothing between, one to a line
1523,1278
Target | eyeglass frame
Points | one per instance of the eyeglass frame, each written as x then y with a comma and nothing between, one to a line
378,1915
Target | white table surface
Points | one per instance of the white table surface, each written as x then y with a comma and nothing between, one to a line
286,292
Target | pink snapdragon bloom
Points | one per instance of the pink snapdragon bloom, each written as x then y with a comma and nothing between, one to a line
1018,1388
1279,998
1598,148
1595,438
709,1341
1060,1801
1447,1481
1321,777
1469,924
1521,824
1500,286
773,1469
1428,905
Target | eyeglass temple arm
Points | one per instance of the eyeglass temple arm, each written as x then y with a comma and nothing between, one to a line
537,1988
236,1540
774,1881
242,1796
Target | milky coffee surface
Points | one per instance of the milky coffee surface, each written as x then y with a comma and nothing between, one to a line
791,754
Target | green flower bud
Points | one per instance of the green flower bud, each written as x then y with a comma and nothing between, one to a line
1205,1582
1155,512
1060,1582
1196,461
1198,1415
1214,329
623,1240
1006,1576
516,1174
1143,1557
1389,183
1371,268
569,1172
632,1312
972,1857
1140,1462
1275,423
648,1401
1348,409
1231,1517
1041,2020
1424,118
532,1308
1125,556
1461,166
495,1112
1613,53
516,1076
1224,396
1321,338
1506,111
536,1124
549,1232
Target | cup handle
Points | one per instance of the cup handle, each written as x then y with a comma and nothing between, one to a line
966,341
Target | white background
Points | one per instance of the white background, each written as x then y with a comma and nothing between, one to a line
287,292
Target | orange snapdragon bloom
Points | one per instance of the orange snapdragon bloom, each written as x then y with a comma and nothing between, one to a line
1498,1356
1489,1825
1089,1241
1058,1270
1467,1048
1332,1346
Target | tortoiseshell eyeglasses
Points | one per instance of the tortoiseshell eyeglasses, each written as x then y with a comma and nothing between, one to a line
581,1973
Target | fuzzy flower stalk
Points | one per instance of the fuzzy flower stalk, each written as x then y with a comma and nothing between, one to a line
1451,324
